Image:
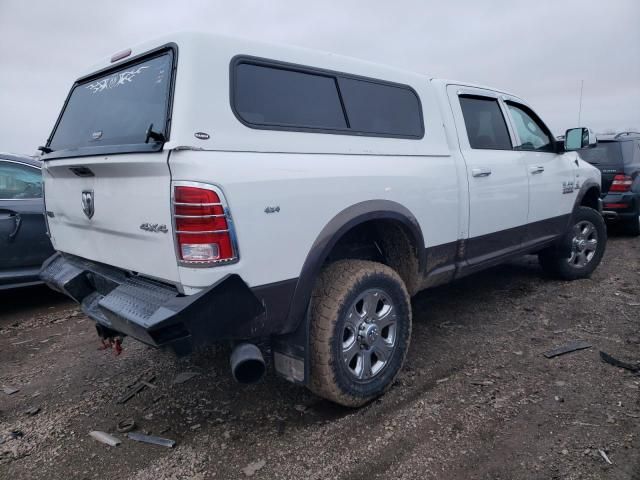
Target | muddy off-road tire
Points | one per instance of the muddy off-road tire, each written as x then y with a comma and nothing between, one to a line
360,327
581,250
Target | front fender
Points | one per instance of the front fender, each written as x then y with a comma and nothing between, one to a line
589,187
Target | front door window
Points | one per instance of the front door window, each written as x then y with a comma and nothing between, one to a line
534,136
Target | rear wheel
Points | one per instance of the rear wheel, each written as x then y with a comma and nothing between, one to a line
581,249
360,331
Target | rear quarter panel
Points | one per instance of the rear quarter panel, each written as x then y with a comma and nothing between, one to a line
310,190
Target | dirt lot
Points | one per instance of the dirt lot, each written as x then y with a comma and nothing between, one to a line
476,400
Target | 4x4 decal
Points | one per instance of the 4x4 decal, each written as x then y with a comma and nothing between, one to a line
154,227
568,187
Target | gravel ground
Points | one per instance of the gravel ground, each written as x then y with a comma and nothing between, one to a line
476,399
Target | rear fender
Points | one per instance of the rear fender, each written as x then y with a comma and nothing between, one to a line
295,344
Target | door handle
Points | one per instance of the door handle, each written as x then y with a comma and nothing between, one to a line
16,218
536,169
480,172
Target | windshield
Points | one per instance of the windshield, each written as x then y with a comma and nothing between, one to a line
604,153
117,108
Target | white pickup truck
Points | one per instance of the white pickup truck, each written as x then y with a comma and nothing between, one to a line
202,189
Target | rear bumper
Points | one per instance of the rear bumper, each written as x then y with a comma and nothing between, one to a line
614,216
155,313
620,206
22,277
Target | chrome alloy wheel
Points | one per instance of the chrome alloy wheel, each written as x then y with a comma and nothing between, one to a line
369,334
584,244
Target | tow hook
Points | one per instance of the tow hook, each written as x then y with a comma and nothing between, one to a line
112,342
109,339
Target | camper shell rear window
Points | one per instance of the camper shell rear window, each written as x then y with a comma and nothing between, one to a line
114,110
272,95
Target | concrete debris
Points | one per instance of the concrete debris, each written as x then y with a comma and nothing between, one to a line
604,455
10,390
105,438
183,377
32,411
141,437
482,383
252,468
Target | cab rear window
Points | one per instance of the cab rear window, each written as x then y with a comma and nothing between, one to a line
117,109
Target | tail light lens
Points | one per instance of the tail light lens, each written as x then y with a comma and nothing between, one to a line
621,183
203,225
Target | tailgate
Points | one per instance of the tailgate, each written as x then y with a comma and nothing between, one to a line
114,210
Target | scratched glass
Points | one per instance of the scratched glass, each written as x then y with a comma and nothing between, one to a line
116,108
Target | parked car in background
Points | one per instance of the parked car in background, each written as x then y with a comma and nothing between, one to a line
24,243
618,158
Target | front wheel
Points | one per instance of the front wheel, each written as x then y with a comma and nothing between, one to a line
581,249
359,331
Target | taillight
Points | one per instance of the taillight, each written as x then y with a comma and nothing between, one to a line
203,225
621,183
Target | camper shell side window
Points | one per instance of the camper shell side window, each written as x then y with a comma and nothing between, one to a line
273,95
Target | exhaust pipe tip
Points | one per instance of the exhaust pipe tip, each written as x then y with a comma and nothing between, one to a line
247,363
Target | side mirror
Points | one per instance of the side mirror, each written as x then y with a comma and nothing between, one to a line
577,138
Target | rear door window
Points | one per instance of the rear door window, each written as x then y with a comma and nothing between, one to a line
486,126
117,108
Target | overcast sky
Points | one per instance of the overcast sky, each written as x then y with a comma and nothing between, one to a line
538,50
